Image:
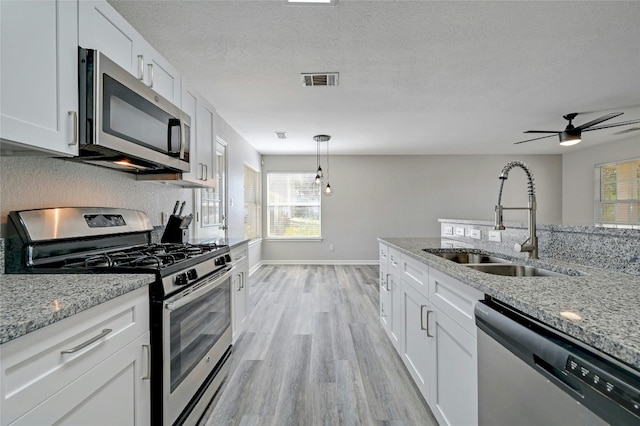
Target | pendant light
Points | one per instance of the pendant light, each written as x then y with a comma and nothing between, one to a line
319,174
328,191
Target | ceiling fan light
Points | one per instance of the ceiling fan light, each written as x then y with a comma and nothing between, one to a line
568,139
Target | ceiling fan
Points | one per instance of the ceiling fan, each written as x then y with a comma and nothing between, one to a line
572,135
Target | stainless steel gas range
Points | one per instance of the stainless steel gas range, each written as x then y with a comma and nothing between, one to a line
190,308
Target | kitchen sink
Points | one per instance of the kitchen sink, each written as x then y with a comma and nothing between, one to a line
495,265
467,257
513,270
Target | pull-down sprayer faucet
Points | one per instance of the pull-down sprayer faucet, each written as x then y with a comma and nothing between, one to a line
530,244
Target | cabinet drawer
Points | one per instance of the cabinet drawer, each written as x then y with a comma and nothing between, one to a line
384,252
41,363
416,274
239,254
454,298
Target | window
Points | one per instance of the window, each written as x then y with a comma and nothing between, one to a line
293,201
617,194
251,203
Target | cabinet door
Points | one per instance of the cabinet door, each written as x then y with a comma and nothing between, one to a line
394,330
454,383
239,303
206,142
102,27
116,392
385,306
418,344
39,79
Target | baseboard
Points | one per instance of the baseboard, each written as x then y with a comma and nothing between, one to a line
319,262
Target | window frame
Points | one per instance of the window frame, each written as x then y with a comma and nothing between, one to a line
601,200
310,176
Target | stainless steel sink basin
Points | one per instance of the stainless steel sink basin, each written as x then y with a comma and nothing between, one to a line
466,257
495,265
513,270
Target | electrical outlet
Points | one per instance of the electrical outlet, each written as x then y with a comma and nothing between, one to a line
448,230
475,234
330,247
460,232
495,236
164,217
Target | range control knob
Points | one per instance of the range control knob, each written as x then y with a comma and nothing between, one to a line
220,261
181,279
192,274
227,258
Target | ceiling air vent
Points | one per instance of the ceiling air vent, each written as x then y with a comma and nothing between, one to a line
320,79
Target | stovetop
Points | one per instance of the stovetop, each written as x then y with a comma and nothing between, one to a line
151,257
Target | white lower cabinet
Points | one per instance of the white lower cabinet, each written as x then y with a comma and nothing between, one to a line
418,346
239,290
453,394
91,368
437,340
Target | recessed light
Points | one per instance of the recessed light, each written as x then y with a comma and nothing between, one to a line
281,135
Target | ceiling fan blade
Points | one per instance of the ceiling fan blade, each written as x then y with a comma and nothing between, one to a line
606,126
599,120
534,139
622,132
543,131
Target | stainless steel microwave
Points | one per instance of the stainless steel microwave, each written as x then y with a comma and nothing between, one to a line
124,124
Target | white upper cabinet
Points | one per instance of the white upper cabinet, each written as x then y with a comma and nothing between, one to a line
103,28
39,78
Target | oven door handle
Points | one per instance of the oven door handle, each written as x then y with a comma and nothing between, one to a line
177,304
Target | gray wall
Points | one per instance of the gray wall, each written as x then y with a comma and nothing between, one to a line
403,196
578,175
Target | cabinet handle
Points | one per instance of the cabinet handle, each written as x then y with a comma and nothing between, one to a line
150,75
140,67
74,124
147,376
422,327
387,282
206,172
88,342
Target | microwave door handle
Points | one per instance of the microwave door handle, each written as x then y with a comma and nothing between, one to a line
183,139
173,122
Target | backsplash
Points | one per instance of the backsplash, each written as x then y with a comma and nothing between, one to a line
607,248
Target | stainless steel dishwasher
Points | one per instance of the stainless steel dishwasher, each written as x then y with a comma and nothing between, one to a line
531,374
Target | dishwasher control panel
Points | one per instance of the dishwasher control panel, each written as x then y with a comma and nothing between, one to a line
624,394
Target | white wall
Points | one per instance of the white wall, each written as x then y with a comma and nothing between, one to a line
396,196
578,177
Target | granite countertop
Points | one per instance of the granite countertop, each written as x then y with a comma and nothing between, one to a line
607,303
29,302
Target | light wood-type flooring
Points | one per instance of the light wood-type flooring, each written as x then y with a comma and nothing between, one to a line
315,353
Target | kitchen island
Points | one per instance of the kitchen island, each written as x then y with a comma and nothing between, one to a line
603,303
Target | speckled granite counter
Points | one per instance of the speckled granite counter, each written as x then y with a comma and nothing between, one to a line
607,302
30,302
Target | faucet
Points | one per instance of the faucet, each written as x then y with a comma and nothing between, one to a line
530,245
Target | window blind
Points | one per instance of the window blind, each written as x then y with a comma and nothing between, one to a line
252,205
617,194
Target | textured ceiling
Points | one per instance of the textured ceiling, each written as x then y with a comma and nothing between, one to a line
416,77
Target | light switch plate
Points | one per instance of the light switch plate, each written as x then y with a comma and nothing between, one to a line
475,234
495,236
460,232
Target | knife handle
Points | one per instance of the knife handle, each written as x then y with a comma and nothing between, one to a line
175,208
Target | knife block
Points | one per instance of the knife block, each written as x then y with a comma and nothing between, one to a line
173,233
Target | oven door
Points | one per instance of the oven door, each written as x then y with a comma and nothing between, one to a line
197,333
